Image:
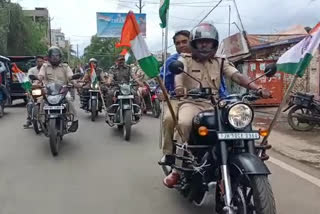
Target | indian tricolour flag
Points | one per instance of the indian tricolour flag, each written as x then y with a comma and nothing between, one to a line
132,37
22,78
93,75
297,58
163,10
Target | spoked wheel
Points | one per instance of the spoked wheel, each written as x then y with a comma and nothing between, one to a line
253,197
296,120
127,125
54,137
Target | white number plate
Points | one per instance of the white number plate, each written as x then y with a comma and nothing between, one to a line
53,107
239,136
125,97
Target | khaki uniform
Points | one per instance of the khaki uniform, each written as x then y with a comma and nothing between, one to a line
87,77
208,74
61,74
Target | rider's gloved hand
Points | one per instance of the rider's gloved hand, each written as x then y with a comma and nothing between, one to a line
264,93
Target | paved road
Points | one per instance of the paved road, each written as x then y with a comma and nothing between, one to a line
98,172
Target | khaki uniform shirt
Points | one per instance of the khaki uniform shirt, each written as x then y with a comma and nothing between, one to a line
120,74
207,73
61,74
33,71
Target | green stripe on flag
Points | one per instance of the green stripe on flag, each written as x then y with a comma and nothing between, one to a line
291,68
164,6
150,66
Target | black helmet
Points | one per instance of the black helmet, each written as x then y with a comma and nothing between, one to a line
54,55
204,31
93,60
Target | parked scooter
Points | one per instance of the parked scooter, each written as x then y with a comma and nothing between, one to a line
304,112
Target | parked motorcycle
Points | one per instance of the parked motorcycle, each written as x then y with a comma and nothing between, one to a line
221,158
56,117
124,113
304,112
150,100
92,101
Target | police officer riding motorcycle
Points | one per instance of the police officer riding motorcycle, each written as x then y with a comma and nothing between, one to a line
58,114
215,150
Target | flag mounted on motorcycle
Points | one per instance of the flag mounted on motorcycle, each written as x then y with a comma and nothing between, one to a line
132,37
297,58
93,75
22,77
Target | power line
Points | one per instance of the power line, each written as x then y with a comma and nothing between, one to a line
208,13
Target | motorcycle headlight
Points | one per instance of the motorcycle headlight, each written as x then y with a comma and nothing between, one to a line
240,116
95,86
36,92
55,99
125,90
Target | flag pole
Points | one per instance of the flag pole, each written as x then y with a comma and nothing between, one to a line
283,102
164,57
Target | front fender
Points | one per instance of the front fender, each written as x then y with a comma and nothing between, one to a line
248,164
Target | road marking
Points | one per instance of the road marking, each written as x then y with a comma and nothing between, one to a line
296,171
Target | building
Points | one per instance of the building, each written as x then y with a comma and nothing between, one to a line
58,38
40,15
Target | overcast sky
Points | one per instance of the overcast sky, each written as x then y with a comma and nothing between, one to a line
77,18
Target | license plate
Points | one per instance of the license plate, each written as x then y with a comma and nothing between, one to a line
53,107
125,97
239,136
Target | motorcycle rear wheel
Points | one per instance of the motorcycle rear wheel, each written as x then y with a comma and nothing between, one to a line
54,137
35,123
300,124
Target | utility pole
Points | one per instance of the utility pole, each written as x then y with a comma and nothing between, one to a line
140,6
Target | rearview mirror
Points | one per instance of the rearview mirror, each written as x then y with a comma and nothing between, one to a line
176,67
76,76
33,77
270,70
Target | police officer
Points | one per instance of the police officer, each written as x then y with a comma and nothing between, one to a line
205,66
55,71
33,71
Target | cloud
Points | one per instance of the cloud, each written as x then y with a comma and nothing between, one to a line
77,18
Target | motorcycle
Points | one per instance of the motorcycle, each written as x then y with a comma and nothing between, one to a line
222,158
150,100
304,112
56,119
124,113
92,101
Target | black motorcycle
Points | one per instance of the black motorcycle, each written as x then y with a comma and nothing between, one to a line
304,112
56,119
92,101
221,158
124,113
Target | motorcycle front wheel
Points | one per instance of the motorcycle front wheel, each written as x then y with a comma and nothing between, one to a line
156,108
253,196
35,121
93,110
54,137
127,125
296,121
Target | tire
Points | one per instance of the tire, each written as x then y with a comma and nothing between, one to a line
296,125
120,127
253,196
1,110
54,137
35,123
93,110
127,125
156,108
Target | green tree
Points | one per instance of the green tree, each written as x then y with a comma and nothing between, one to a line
104,50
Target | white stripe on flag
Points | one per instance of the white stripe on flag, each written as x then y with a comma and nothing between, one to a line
139,47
